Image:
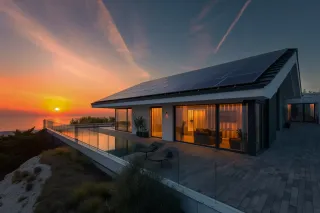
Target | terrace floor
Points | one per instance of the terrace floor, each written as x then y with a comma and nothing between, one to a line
285,178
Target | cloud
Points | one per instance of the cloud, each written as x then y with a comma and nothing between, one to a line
75,72
106,24
232,25
205,10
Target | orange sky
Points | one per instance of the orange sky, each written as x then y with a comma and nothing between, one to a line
74,71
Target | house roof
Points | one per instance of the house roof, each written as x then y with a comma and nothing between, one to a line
248,73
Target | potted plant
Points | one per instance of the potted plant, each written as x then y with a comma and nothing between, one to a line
237,143
139,123
144,132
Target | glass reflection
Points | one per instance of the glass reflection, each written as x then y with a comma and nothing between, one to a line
156,122
196,124
233,126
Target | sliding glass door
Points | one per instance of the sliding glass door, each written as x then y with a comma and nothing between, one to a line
123,120
156,122
302,112
196,124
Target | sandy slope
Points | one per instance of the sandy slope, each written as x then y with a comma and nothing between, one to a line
10,193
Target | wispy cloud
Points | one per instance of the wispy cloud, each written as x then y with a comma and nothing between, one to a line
196,23
206,10
106,23
36,33
76,75
232,25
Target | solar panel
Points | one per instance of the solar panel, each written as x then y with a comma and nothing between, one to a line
237,72
238,79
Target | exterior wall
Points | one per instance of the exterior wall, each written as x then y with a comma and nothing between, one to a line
272,119
143,111
168,122
287,90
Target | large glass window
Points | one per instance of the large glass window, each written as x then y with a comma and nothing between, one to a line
297,112
129,120
156,122
289,112
302,112
123,120
196,124
233,126
309,113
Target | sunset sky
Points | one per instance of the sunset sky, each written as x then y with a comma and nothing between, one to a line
68,53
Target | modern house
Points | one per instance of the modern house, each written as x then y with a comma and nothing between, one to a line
236,106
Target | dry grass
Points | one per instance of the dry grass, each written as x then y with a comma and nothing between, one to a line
65,189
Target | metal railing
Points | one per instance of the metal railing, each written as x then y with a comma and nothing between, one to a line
94,136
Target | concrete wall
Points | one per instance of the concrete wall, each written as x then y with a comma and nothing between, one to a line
272,119
287,90
167,119
143,111
168,122
191,201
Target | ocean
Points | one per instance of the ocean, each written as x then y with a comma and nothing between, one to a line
24,122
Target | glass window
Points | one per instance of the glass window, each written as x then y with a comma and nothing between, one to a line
289,112
196,124
296,112
233,126
309,113
156,122
124,120
129,120
258,122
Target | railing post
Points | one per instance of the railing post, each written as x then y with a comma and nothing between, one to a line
76,133
44,124
97,137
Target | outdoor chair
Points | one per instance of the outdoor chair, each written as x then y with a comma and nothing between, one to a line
152,148
163,156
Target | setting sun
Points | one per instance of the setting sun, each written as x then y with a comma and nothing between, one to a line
57,109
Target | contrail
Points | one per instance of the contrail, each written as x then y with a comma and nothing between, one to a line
232,25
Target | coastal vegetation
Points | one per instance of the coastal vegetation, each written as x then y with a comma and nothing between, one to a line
90,120
76,185
65,180
21,146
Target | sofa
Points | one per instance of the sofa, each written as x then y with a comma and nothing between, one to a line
205,137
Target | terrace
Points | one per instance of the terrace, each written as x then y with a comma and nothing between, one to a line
284,178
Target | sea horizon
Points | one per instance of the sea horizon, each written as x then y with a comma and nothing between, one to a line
9,123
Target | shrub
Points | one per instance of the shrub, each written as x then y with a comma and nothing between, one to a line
54,206
85,191
21,198
92,204
17,177
29,187
25,174
89,119
137,191
21,146
37,170
67,152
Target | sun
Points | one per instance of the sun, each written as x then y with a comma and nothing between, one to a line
57,109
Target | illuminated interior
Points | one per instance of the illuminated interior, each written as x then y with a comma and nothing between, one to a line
156,122
233,126
197,124
302,112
